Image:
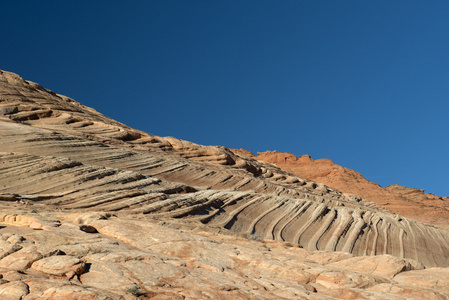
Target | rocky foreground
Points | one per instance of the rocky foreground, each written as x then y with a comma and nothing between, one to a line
93,209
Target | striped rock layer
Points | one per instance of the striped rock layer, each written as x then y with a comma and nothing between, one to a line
59,154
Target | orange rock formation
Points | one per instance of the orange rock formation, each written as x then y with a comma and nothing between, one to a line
409,202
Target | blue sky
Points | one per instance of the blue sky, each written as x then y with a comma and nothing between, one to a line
363,83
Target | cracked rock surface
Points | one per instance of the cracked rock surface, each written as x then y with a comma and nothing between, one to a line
93,209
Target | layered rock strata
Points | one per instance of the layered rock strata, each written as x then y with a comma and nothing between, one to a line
409,202
61,161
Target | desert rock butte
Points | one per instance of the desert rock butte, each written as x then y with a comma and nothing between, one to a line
94,209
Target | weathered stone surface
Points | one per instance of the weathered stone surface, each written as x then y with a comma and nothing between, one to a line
13,290
11,275
435,278
20,260
15,239
383,265
408,202
339,279
71,292
16,219
174,261
59,265
324,258
93,209
408,291
42,225
6,248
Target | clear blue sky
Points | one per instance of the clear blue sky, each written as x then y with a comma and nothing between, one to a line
364,83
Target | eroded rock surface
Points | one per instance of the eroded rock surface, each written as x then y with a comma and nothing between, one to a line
408,202
132,257
93,209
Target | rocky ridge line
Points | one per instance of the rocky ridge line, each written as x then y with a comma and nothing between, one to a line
91,206
409,202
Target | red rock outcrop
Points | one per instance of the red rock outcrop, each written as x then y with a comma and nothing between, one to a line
409,202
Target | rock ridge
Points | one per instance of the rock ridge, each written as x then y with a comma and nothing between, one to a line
409,202
94,209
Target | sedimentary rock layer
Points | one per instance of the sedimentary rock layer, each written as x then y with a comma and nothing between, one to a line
409,202
57,153
140,258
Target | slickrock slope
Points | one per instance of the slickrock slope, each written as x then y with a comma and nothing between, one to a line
93,209
408,202
142,258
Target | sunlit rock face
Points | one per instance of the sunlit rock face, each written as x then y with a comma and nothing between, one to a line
94,209
412,203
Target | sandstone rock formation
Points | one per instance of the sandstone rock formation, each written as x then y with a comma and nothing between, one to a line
408,202
93,209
